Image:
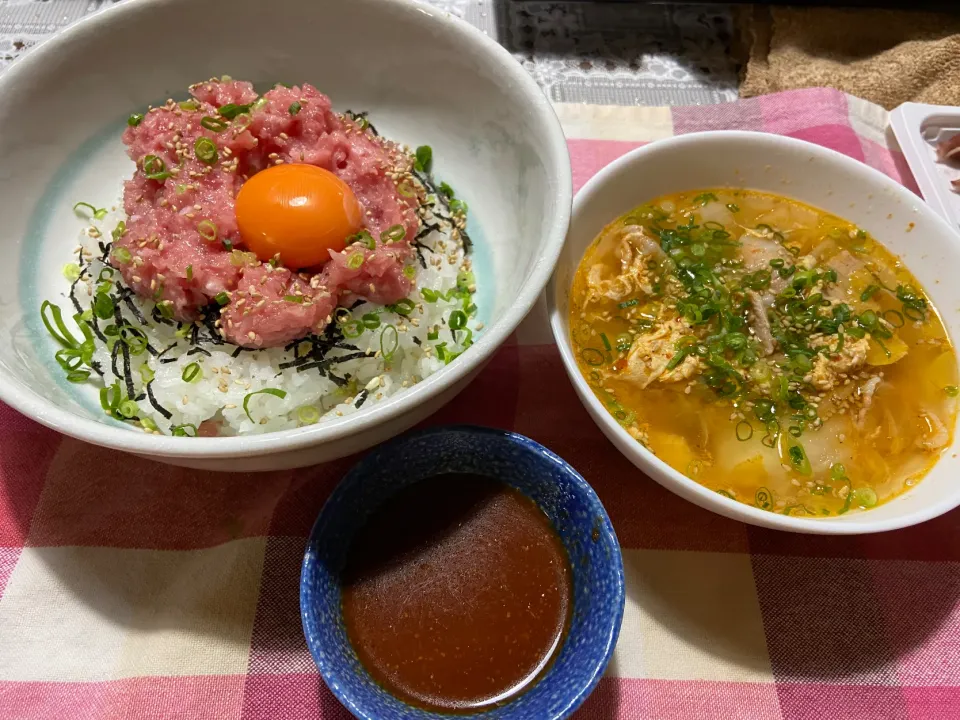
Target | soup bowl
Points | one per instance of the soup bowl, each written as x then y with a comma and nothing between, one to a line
564,496
425,77
820,177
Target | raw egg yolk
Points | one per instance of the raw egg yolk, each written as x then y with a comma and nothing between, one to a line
301,212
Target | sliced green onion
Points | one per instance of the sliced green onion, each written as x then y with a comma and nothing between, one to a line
122,255
798,459
103,306
258,104
110,398
146,373
952,390
214,124
592,357
458,321
135,119
763,499
97,213
744,431
294,108
238,258
446,191
466,280
433,334
389,342
307,414
628,304
678,358
134,338
364,238
231,110
71,271
154,168
189,272
294,299
402,307
894,317
266,391
371,321
119,231
192,372
208,230
733,207
409,272
393,234
431,296
205,150
423,159
222,298
148,424
189,105
603,339
351,328
355,261
188,430
864,497
128,408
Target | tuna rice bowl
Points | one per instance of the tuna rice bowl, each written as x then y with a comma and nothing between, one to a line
272,264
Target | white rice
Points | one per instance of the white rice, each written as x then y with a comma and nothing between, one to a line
225,382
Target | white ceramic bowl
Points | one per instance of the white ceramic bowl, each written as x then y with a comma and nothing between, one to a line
424,76
812,174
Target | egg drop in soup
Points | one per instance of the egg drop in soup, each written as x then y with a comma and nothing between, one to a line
768,350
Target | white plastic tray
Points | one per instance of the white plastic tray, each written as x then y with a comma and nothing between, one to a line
918,128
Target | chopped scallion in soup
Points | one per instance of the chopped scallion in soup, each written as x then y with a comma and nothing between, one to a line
772,352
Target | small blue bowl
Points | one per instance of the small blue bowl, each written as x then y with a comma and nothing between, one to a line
565,497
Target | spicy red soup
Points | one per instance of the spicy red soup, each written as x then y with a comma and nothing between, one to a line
457,593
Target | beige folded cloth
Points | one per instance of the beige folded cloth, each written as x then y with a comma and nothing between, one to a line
885,56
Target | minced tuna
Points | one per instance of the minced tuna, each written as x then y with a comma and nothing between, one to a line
181,246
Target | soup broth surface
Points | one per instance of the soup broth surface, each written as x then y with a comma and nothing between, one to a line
772,352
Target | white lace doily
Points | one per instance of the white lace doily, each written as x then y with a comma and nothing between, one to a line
605,53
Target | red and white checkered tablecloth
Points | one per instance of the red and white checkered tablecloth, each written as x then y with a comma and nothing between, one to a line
135,590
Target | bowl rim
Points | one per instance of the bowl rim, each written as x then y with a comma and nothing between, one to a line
21,397
640,456
329,671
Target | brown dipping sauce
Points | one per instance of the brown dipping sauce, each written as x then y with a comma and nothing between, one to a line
457,593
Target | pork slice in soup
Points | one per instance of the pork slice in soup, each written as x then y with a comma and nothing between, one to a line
770,351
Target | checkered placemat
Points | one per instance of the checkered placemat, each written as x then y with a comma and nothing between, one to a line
135,590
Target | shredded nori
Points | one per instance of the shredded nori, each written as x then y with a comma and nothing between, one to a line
198,349
337,380
95,326
417,340
157,317
420,247
361,398
114,356
73,290
430,184
157,406
124,350
126,294
167,349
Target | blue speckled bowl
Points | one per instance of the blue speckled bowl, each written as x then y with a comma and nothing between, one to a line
557,488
